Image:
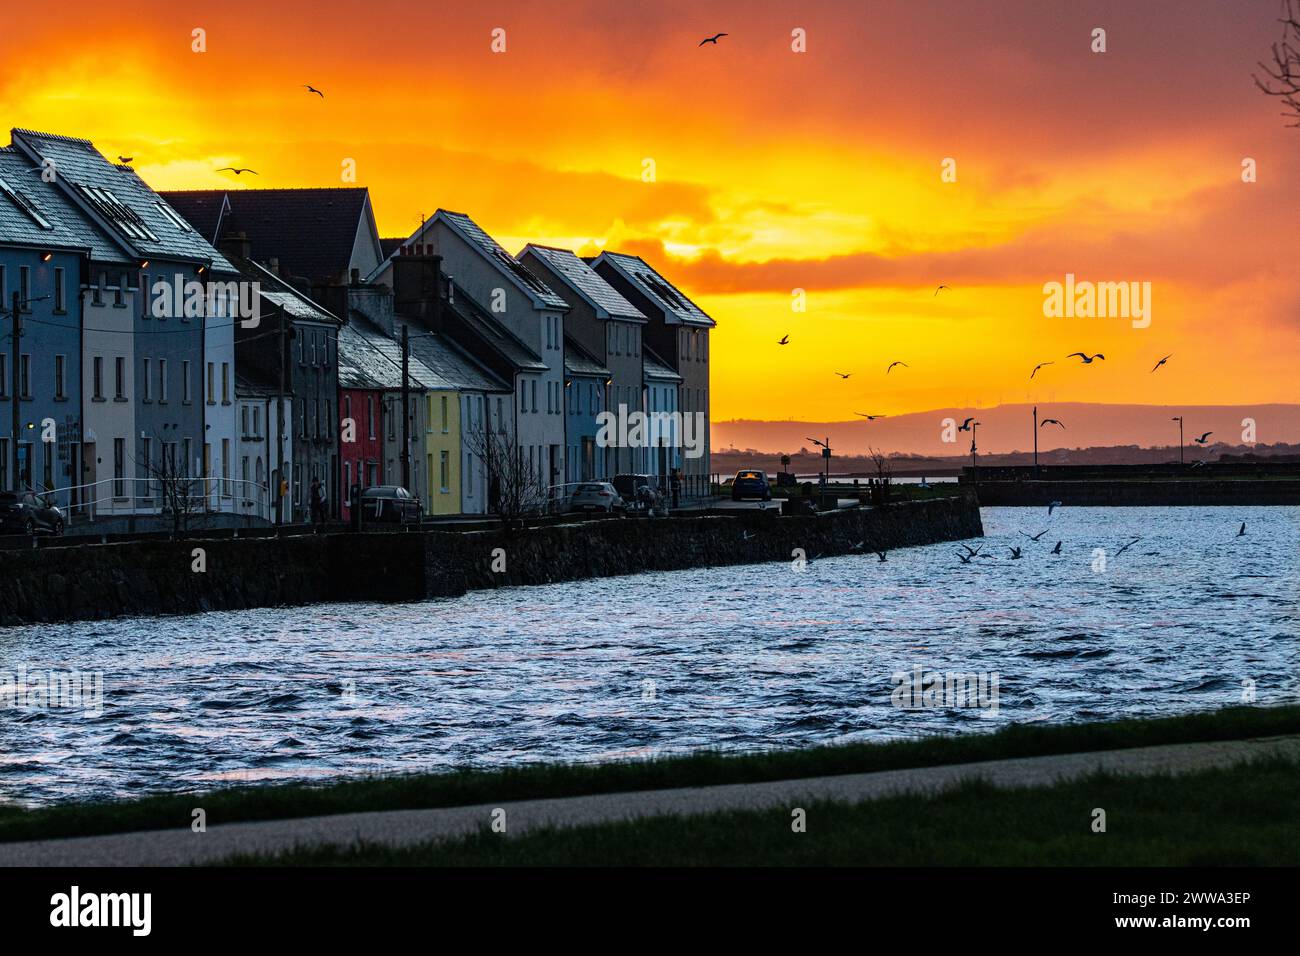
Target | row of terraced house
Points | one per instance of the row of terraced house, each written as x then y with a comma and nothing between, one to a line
256,341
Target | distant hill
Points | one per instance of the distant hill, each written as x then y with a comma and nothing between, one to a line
1006,429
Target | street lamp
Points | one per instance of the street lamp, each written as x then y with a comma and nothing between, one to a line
1179,420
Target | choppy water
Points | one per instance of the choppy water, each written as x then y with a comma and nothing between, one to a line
740,658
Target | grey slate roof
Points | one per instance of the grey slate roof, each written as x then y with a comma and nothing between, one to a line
282,295
505,263
653,367
578,361
310,231
585,282
448,363
136,215
70,228
493,333
381,356
657,289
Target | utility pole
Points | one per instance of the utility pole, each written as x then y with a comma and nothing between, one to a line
1035,441
15,381
280,484
974,428
406,412
1176,418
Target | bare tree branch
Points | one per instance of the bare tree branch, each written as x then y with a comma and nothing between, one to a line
1283,75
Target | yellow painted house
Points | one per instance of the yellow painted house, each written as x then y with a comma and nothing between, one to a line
460,386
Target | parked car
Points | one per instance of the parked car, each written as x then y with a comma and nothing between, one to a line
390,503
28,513
597,496
750,484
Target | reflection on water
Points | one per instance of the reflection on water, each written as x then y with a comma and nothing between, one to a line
736,658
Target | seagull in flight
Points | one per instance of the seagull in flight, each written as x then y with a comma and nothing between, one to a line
1052,506
311,89
1127,546
973,552
892,364
818,443
714,39
1015,554
963,558
1050,421
859,546
1163,360
1057,549
843,374
1087,359
1201,440
870,418
785,340
938,287
1034,537
238,171
965,426
1038,366
882,556
746,535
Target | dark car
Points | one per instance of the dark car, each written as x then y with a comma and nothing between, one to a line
28,513
751,484
390,503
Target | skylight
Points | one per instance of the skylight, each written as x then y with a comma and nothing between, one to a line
122,217
22,202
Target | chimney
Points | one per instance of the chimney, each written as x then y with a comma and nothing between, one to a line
273,264
356,276
237,246
415,284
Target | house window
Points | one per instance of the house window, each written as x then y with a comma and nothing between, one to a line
119,368
523,395
48,470
162,380
185,381
25,376
60,299
445,425
147,382
243,421
4,463
534,395
225,383
370,414
225,467
98,378
444,471
146,455
59,378
119,467
212,383
4,383
25,287
257,422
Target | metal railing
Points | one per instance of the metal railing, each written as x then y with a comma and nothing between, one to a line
133,497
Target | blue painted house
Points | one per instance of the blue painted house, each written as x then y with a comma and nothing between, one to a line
586,380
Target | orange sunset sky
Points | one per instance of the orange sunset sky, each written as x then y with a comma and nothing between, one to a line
775,170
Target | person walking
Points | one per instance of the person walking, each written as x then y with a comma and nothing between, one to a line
317,503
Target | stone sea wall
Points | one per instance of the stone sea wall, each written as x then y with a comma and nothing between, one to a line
92,581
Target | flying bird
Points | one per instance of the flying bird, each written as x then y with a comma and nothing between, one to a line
1034,537
311,89
859,546
1201,440
973,552
1057,549
1038,366
1127,546
882,556
843,374
714,39
870,418
937,288
746,535
1050,421
237,172
1052,506
1087,360
1163,360
892,364
1015,554
785,340
963,558
816,442
965,426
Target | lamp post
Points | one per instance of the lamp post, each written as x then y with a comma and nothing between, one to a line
1179,420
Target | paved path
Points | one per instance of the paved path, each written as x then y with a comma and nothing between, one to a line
180,846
